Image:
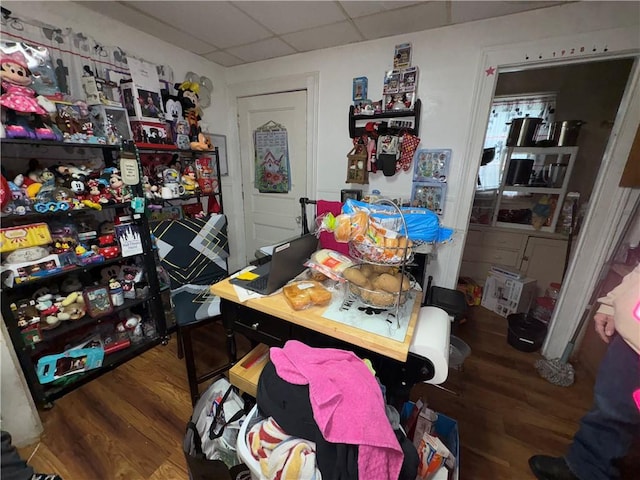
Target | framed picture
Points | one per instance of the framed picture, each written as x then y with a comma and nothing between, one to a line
355,194
220,142
98,301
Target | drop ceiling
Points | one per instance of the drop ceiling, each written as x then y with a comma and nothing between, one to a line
234,33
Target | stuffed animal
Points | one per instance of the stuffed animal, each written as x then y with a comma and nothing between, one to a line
20,100
188,97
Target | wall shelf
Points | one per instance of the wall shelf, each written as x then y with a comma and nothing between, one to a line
386,119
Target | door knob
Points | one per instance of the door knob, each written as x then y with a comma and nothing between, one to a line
299,219
255,326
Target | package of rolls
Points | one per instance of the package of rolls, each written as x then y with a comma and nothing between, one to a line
383,234
378,285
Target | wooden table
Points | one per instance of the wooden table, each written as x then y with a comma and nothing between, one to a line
276,306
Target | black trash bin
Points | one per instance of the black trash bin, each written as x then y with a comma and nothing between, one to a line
526,333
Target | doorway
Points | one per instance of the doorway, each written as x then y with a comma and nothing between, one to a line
591,91
271,217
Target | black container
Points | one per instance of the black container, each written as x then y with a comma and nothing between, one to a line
519,172
525,332
522,131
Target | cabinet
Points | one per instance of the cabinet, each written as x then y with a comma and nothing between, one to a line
84,297
537,255
533,186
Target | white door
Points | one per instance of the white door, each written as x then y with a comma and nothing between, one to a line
270,218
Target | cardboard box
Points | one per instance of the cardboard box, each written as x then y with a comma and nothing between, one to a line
505,295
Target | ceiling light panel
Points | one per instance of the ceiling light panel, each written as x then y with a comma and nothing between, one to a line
217,23
286,17
468,11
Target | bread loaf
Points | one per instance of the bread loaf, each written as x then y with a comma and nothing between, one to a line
301,295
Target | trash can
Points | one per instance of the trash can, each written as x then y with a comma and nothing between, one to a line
526,333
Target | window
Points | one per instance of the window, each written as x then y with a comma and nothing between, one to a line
503,110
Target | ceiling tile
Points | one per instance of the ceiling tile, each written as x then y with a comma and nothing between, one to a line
274,47
147,24
410,19
322,37
286,17
362,9
223,58
468,11
218,23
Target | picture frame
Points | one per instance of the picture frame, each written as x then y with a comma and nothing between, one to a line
220,142
98,301
354,194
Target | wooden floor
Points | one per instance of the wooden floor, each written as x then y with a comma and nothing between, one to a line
129,423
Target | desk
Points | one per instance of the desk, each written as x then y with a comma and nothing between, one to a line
276,308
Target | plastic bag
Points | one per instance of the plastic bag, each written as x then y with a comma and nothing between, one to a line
422,224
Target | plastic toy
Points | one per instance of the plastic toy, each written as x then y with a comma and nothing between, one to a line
20,101
52,367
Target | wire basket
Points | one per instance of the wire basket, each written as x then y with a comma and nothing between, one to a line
382,298
367,252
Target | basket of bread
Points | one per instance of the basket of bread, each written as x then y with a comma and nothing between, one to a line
379,286
368,240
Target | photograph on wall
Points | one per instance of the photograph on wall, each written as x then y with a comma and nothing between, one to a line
220,142
431,166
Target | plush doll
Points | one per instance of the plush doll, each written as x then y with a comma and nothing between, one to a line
20,100
188,98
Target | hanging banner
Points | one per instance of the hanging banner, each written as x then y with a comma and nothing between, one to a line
272,159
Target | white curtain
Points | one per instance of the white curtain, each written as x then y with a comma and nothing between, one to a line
503,110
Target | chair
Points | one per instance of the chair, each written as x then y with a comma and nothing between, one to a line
194,253
322,207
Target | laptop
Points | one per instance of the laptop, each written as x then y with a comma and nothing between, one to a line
286,263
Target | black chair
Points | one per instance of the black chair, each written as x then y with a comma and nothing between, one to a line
194,253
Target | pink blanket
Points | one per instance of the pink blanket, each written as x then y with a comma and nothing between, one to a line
347,404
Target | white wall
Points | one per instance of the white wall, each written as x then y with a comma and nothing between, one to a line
18,413
449,61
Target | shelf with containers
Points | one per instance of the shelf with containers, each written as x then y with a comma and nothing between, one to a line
532,189
80,289
181,176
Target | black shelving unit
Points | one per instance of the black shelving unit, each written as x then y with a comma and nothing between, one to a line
68,333
191,155
386,127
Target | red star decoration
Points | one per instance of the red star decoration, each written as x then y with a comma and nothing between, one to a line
490,71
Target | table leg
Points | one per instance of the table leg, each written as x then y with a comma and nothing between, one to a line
229,312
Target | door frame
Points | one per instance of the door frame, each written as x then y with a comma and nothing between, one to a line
609,204
310,82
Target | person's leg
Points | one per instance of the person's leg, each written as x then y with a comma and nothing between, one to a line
13,467
606,432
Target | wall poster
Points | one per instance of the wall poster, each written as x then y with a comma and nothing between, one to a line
272,158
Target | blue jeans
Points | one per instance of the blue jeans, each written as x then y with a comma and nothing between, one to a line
607,431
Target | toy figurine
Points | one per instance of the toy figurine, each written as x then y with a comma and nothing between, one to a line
20,101
189,180
120,192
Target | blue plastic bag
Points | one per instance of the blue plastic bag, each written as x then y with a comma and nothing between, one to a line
422,224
